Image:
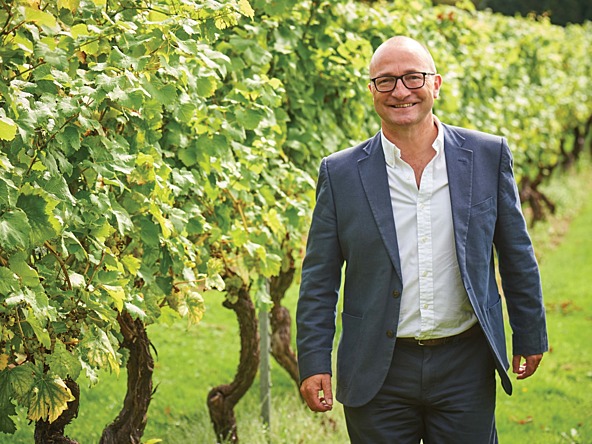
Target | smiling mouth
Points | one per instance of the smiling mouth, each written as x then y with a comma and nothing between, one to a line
403,105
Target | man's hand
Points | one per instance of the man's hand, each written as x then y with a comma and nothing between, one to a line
528,368
316,391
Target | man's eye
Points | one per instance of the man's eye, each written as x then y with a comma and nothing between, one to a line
385,81
413,77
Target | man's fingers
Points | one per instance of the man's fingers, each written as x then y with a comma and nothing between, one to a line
327,395
528,368
316,391
516,363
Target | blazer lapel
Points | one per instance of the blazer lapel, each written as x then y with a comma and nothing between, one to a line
459,165
374,179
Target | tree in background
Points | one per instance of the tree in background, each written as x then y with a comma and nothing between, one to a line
561,12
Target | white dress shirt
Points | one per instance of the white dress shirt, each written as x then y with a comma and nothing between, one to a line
434,302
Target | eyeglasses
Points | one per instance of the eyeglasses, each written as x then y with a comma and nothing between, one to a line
412,80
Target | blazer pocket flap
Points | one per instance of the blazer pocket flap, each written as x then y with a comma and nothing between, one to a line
482,206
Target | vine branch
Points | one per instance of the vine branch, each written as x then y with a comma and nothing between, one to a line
61,262
239,207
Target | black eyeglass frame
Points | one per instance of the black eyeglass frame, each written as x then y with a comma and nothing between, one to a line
397,78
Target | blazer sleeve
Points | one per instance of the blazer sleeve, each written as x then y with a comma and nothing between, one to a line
319,289
518,267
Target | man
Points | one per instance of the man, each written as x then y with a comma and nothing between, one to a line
415,213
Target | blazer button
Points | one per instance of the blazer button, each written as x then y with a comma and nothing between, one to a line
396,293
390,334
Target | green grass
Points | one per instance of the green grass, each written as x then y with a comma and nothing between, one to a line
554,406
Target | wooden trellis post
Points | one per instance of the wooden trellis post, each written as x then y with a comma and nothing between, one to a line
264,367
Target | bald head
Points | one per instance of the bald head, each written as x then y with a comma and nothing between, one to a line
403,44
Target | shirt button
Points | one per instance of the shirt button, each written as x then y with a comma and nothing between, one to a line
396,293
390,334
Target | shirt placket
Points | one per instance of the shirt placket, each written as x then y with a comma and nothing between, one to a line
425,261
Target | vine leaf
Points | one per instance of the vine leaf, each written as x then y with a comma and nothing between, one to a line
63,363
117,293
18,265
40,17
14,230
72,5
39,309
7,128
39,215
8,191
7,408
99,351
7,425
3,361
9,282
48,398
21,380
245,8
41,332
191,305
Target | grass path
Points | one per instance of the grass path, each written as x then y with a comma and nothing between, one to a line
555,405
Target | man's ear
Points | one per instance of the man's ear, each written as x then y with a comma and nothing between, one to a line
437,85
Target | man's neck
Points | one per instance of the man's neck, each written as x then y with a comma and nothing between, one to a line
413,140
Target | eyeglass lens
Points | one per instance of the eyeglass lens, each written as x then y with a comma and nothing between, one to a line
412,80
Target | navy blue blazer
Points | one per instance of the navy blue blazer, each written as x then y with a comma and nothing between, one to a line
353,223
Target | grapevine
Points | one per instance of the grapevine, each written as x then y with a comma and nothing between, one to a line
154,150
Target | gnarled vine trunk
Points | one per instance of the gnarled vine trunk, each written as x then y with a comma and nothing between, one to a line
223,398
281,323
538,202
129,425
53,433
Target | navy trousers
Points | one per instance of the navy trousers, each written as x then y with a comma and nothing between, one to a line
442,395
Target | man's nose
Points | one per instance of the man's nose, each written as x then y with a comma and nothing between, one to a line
400,89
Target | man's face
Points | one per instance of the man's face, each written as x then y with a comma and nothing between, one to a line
404,108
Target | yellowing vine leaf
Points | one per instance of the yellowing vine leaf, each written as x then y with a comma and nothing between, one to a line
72,5
99,350
165,224
78,30
41,18
3,361
48,398
191,306
117,294
131,263
245,8
7,128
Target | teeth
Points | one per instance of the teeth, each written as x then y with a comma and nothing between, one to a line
405,105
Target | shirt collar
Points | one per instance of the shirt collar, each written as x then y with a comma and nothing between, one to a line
391,151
